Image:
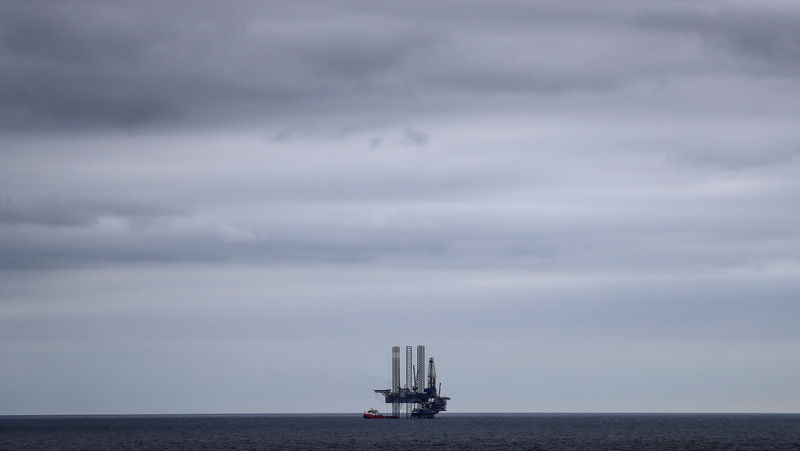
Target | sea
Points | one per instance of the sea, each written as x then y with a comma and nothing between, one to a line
450,431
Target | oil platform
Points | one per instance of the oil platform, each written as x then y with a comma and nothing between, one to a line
420,396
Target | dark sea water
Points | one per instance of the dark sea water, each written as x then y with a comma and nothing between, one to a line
449,431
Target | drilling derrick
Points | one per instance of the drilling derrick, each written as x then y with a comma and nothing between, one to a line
421,399
409,374
419,385
409,369
431,374
395,379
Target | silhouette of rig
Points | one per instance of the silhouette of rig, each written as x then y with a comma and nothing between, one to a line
419,394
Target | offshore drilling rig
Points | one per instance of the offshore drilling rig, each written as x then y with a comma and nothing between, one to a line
420,396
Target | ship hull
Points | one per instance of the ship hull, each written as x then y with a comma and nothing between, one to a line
371,416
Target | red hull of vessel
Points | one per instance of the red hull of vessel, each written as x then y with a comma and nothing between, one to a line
371,416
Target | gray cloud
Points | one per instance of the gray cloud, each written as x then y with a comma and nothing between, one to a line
415,137
97,64
766,35
85,212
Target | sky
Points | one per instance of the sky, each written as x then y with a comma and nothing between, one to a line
240,207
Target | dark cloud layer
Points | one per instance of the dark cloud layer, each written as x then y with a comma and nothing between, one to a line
93,64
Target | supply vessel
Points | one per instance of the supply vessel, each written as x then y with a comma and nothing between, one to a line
373,414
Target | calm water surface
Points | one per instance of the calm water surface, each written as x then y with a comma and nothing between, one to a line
450,431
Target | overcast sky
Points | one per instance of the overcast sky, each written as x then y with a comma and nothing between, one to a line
240,207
